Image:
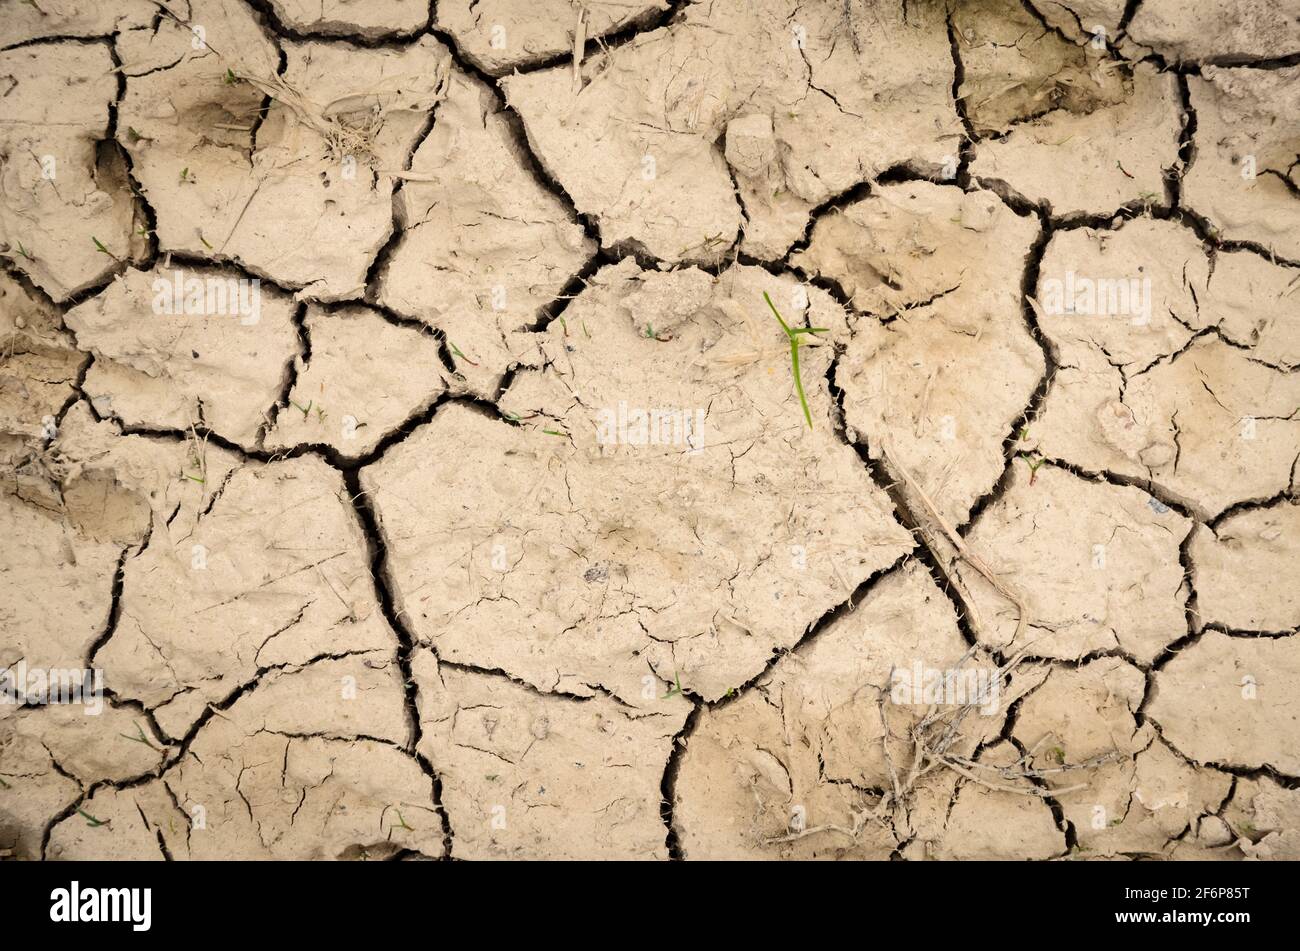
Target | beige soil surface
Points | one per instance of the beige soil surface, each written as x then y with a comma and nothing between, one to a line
650,429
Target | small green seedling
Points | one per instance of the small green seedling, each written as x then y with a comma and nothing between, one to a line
99,246
135,136
455,351
23,251
302,409
676,689
555,432
650,332
231,78
139,738
1057,755
4,784
185,174
205,242
401,823
91,820
1034,461
793,334
193,478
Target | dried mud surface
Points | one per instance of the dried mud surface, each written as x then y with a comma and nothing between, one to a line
395,414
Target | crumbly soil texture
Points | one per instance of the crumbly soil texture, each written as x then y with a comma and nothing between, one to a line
651,429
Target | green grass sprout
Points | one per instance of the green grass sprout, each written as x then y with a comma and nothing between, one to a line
141,738
1034,462
455,350
793,333
91,820
676,689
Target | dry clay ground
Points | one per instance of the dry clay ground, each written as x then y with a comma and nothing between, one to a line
369,573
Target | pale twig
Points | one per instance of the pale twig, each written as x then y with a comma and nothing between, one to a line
959,544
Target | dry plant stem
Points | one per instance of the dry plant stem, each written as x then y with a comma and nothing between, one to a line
959,544
1019,790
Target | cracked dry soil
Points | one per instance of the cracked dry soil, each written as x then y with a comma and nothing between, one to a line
392,416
